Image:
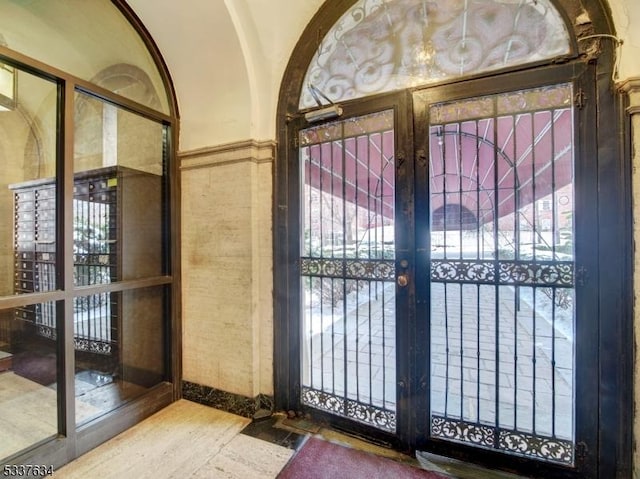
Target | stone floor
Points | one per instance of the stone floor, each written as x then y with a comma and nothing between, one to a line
189,440
183,440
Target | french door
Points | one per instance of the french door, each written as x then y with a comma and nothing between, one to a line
444,303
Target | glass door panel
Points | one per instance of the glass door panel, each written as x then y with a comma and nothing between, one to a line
501,189
29,375
348,325
119,166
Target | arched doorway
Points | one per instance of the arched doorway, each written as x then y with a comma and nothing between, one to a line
439,287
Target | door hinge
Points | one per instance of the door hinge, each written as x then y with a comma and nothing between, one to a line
422,158
582,276
296,142
581,451
580,99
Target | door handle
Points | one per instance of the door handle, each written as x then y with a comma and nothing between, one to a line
403,280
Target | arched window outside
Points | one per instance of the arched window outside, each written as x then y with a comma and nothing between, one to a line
87,125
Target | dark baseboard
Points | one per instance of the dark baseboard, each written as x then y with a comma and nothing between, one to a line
225,401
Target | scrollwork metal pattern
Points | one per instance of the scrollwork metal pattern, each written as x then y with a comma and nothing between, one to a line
363,269
363,413
47,332
91,346
539,273
477,434
379,46
551,449
463,271
515,442
556,273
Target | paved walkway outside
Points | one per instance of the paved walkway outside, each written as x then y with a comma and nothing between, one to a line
479,368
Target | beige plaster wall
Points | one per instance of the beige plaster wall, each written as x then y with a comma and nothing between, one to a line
626,16
226,263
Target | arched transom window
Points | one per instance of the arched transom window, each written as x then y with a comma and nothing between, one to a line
379,46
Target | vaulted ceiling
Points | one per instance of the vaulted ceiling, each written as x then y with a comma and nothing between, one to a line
227,58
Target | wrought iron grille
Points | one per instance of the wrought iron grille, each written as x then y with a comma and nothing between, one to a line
95,255
379,46
95,262
502,273
347,269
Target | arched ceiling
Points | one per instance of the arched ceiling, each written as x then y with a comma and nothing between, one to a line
227,58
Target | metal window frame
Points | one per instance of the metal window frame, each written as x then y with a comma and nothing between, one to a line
73,441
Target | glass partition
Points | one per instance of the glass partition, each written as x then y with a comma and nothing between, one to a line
84,291
119,354
28,333
119,166
28,379
118,224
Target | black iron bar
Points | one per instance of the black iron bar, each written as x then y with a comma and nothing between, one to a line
554,228
517,205
384,316
444,192
344,255
478,227
553,362
497,287
446,305
309,158
554,225
322,281
309,226
460,255
534,289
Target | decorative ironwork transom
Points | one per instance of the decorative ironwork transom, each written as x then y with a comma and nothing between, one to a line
387,45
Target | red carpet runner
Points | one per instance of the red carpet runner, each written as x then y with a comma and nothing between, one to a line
318,459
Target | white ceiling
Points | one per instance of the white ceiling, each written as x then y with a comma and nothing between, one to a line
227,57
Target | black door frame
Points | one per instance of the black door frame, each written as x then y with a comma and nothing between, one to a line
611,225
401,104
583,80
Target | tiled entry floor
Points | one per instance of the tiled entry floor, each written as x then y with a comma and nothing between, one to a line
184,440
189,440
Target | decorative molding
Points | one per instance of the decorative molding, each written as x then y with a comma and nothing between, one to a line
631,87
225,401
252,151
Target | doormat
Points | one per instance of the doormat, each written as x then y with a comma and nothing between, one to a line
38,367
319,459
